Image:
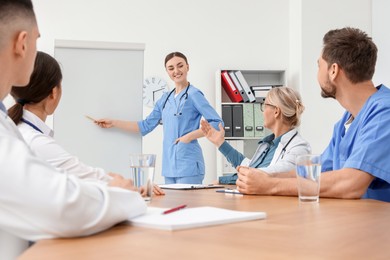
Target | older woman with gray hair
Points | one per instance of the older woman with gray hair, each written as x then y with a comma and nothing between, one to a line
277,152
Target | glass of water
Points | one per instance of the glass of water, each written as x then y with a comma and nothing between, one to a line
142,173
308,177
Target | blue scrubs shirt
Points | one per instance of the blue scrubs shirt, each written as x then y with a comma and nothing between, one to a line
366,144
181,115
264,152
264,155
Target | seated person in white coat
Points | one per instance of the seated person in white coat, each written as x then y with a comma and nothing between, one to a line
38,201
33,104
277,152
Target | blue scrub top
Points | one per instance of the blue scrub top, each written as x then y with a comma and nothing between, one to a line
366,144
181,159
264,152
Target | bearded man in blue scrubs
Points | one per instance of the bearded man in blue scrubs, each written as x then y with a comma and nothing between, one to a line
356,162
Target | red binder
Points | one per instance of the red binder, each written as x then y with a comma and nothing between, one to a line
230,88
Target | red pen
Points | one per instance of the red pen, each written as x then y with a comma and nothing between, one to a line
174,209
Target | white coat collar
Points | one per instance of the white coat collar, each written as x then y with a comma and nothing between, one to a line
287,136
3,109
34,119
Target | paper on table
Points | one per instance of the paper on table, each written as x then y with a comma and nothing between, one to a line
192,218
180,186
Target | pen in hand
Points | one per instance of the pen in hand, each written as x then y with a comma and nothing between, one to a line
174,209
90,118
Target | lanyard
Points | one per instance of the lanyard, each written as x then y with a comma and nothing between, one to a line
31,124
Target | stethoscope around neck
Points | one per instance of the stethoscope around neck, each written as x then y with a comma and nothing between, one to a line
268,148
178,109
285,146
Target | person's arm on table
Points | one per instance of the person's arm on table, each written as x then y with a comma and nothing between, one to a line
346,183
56,204
254,181
119,181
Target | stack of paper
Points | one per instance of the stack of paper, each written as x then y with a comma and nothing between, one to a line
192,218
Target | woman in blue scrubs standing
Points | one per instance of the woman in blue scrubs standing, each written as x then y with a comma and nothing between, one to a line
180,112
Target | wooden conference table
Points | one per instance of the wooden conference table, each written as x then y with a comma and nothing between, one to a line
331,229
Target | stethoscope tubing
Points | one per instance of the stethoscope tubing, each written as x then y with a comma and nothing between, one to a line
178,107
285,146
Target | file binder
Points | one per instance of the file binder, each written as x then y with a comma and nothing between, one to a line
238,86
245,86
262,87
249,121
238,130
230,88
261,92
259,122
227,120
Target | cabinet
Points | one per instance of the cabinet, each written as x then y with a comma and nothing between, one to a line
246,119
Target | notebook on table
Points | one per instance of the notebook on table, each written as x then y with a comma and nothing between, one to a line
192,218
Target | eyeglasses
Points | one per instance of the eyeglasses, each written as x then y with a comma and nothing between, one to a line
262,106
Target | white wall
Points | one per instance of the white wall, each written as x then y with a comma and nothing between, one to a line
318,17
246,34
381,36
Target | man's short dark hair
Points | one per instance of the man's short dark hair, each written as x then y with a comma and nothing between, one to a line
353,51
9,9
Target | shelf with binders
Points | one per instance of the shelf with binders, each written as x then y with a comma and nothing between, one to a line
242,116
247,86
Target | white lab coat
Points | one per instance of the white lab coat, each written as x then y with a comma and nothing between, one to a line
285,155
45,147
39,202
284,160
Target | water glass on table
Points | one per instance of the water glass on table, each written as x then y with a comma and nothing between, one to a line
142,173
308,177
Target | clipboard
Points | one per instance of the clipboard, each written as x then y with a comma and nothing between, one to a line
181,186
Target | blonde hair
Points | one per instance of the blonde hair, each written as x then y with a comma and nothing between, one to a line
289,102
